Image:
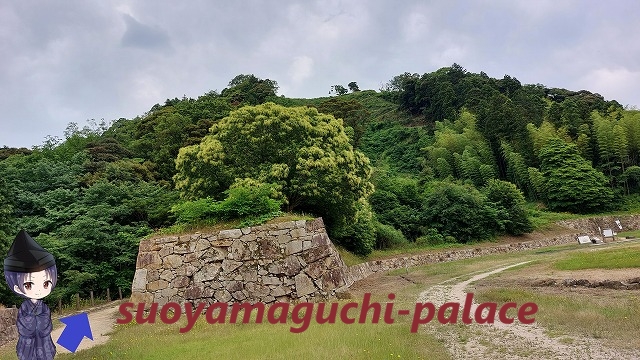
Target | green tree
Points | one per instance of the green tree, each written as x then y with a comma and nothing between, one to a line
353,86
306,154
249,90
338,90
352,112
570,182
511,205
460,211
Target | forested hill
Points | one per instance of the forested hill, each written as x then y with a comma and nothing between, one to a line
447,156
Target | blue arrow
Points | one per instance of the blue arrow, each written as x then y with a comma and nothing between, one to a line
77,328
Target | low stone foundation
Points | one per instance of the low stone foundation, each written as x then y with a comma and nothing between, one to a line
8,329
361,271
289,261
629,284
590,225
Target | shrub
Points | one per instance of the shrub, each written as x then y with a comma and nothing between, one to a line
387,236
510,203
248,198
460,211
191,211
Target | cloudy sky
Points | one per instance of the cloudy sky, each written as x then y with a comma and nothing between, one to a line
75,60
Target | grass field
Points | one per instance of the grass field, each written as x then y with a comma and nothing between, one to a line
612,316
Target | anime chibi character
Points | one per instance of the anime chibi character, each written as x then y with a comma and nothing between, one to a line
31,272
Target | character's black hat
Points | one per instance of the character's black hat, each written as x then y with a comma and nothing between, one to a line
26,255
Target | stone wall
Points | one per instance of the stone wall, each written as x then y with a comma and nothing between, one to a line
582,226
361,271
8,329
590,225
290,261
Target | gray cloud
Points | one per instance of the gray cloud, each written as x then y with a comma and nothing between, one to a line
77,60
139,35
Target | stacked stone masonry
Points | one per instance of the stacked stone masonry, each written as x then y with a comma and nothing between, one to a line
8,329
289,261
582,226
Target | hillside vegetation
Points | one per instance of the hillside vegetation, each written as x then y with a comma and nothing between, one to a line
444,157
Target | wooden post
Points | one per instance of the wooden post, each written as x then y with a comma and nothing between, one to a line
60,305
120,292
77,301
108,296
91,297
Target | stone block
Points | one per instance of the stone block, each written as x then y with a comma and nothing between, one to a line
316,269
145,245
153,275
233,286
283,239
276,268
319,240
332,279
298,233
230,265
221,243
291,266
157,285
293,247
193,292
180,282
182,248
281,291
249,275
230,234
315,254
139,280
222,296
269,249
239,295
172,261
149,260
271,280
138,297
215,254
237,249
207,273
304,285
202,245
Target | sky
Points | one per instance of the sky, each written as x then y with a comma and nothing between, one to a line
74,61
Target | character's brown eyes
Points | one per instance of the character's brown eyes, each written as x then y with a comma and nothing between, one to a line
28,285
47,284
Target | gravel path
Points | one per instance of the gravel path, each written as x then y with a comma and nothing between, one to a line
507,341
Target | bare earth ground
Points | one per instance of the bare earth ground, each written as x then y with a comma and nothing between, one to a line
101,322
508,341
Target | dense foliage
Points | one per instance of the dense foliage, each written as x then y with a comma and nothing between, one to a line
304,154
447,156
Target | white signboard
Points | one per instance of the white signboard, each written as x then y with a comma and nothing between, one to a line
584,239
619,224
607,233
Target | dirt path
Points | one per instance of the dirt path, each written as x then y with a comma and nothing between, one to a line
101,322
507,341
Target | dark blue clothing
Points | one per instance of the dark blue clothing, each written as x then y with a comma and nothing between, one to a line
34,326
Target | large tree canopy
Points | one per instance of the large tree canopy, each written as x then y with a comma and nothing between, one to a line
305,153
569,182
